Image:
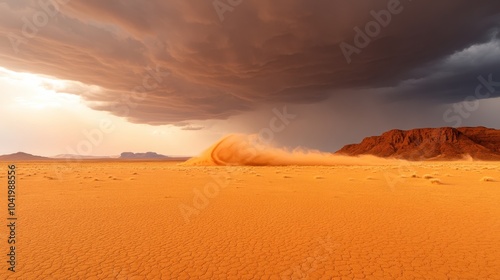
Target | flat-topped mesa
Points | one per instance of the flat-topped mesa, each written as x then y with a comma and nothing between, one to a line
148,155
445,143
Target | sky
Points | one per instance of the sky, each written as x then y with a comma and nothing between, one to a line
93,77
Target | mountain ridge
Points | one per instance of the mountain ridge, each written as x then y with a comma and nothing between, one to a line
446,143
22,156
147,155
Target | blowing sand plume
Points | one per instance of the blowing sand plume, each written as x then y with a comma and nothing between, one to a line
238,149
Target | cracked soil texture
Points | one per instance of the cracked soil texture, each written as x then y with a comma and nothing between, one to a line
123,220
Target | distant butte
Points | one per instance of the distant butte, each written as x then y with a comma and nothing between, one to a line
148,155
444,143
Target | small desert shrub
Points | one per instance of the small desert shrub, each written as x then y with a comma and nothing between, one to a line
487,179
435,181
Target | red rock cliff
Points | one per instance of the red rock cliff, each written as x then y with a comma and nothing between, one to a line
445,143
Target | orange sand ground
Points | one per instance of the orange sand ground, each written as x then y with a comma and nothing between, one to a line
122,220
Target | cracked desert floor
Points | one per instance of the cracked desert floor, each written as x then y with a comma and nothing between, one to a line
160,220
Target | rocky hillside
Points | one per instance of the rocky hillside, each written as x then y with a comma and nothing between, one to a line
445,143
21,157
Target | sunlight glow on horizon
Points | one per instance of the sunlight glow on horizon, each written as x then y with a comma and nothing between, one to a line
41,109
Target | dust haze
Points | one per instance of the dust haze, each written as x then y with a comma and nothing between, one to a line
250,150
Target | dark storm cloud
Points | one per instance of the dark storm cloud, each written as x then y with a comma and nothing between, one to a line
163,62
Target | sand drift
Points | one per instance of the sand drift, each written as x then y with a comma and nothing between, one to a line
248,150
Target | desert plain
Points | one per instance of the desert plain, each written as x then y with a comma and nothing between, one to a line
163,220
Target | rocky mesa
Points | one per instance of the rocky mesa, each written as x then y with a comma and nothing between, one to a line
444,143
148,155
